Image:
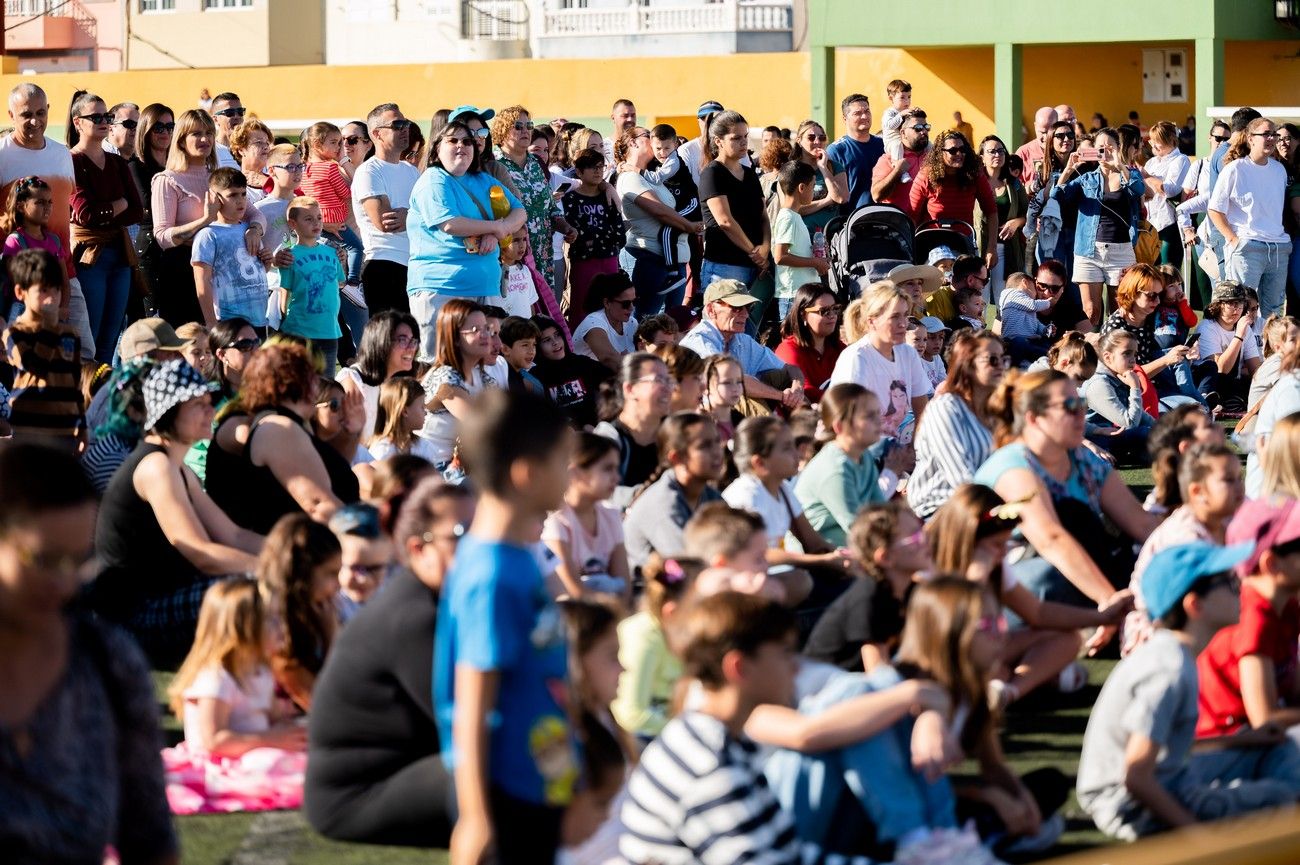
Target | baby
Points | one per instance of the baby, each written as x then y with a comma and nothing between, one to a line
891,125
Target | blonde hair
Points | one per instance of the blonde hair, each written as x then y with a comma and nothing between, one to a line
1280,460
1275,328
1239,146
877,296
299,203
395,396
1165,133
280,153
229,634
190,122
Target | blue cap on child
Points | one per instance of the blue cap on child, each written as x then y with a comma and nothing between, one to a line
1174,570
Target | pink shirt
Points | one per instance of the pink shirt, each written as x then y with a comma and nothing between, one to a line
325,182
179,198
591,552
50,243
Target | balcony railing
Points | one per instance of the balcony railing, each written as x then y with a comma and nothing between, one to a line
729,16
494,20
59,21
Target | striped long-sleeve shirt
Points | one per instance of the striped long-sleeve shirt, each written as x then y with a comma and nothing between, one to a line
951,444
46,398
698,796
325,181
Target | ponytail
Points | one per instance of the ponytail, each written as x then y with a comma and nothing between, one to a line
1017,396
722,124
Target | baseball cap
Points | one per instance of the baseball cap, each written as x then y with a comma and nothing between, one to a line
1263,524
707,108
933,325
484,114
732,292
149,334
1174,570
169,385
1227,291
939,253
927,272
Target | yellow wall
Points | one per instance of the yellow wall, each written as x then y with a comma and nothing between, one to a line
943,81
235,37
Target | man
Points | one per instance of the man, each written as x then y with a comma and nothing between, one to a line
969,271
1066,311
770,134
381,194
1241,118
857,152
964,128
121,137
227,112
892,183
1065,113
624,116
1033,152
692,152
26,152
722,330
148,337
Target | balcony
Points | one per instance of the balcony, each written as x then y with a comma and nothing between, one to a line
48,25
665,29
494,20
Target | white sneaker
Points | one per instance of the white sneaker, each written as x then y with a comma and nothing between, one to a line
352,293
1072,679
1048,834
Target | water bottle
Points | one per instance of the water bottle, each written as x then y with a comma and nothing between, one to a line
819,243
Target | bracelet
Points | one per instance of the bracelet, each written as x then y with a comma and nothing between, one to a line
1236,336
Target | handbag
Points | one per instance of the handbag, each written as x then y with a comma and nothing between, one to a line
1146,248
487,217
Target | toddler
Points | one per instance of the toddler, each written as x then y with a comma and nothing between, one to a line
891,124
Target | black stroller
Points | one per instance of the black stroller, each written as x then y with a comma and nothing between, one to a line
953,233
866,245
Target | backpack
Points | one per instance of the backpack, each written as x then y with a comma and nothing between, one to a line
1147,246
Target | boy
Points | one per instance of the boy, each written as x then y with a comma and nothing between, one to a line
1027,337
284,166
521,291
656,330
733,543
1137,772
366,552
970,309
675,175
600,229
519,348
891,124
230,282
45,355
698,794
500,657
927,336
791,243
310,297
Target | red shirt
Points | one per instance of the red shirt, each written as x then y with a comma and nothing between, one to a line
900,195
817,368
1260,631
950,200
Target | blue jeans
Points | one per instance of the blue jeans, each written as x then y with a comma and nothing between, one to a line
355,317
783,305
348,239
1262,266
106,286
1176,385
653,281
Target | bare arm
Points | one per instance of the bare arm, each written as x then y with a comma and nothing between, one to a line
203,287
160,483
284,448
598,341
845,723
567,567
216,737
220,526
1118,503
883,187
1140,780
1259,693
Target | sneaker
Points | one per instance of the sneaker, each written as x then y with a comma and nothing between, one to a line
1072,678
1049,832
1002,694
352,293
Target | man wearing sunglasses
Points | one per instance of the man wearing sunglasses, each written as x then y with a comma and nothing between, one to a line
381,194
227,112
121,135
891,182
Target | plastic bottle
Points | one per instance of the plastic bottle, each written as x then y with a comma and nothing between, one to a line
819,243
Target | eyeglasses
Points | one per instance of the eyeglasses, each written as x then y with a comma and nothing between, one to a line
825,311
481,132
127,124
230,112
812,136
991,625
663,380
982,280
1284,139
1069,135
1002,360
625,304
244,345
333,404
522,125
292,168
921,127
953,151
403,341
995,151
97,119
1263,135
475,331
353,140
1219,139
1071,405
1050,287
463,142
396,125
163,127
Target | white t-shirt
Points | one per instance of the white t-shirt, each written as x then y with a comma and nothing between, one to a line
1252,197
226,159
369,394
1215,338
382,449
624,343
791,230
499,372
53,164
521,292
935,370
395,180
250,706
748,492
1172,171
895,383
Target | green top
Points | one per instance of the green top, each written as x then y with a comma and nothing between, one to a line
832,488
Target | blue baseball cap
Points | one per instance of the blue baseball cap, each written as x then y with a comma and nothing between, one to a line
1173,571
707,108
483,114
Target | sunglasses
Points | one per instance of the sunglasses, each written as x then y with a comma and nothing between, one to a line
333,404
1050,287
354,140
163,127
230,112
1219,139
245,345
953,151
812,136
1150,295
825,311
1069,135
1071,405
922,127
127,124
97,119
396,125
995,151
454,140
521,125
625,304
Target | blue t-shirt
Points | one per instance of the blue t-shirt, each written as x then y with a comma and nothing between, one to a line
495,615
1088,473
313,288
239,287
859,160
439,261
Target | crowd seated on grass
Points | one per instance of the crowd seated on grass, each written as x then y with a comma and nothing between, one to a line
606,597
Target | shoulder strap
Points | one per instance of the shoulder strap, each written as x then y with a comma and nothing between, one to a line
472,197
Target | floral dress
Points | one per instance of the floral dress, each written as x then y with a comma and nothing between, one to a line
535,192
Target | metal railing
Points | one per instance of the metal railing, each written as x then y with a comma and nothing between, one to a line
729,16
494,20
19,11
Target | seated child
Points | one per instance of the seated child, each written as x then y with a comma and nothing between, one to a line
1026,337
400,415
969,303
732,540
366,553
519,348
656,330
1281,332
1174,318
927,335
1115,399
585,534
572,381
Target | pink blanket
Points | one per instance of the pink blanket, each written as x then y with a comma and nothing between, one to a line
263,779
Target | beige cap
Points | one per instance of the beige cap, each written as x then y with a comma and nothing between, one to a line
732,292
149,334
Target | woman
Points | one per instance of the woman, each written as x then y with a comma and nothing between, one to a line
388,348
687,369
232,343
830,183
457,377
357,147
1066,553
1012,204
454,233
1227,349
957,435
609,330
949,185
883,362
646,389
121,430
810,337
1246,208
249,144
161,541
105,202
152,145
375,773
1109,204
1137,299
648,211
512,132
737,235
1166,175
272,464
79,710
182,206
1062,140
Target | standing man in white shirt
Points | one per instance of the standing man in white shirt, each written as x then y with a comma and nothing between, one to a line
381,195
227,112
624,116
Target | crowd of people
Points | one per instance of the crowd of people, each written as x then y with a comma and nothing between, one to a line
543,494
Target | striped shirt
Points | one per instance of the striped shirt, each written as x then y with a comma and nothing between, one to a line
46,398
324,181
698,796
951,444
101,460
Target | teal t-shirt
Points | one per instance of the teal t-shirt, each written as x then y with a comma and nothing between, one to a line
312,284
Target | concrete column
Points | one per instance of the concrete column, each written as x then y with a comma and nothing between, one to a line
1008,93
822,75
1209,80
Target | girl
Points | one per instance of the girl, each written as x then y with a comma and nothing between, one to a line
401,415
224,694
690,461
298,572
969,536
1229,354
26,216
457,376
587,535
1174,318
1072,355
1114,398
1175,432
687,370
323,179
650,668
843,477
1281,333
724,388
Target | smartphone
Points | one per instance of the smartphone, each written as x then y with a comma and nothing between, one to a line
1089,154
563,186
1192,339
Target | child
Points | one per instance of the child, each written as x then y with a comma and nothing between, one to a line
323,179
521,291
494,364
677,178
699,781
31,201
1115,403
724,388
365,555
284,166
891,124
1137,772
586,535
791,243
45,355
1026,337
310,300
969,303
572,381
1174,318
651,671
1281,332
600,230
230,282
1228,351
1175,432
224,695
1073,355
400,416
656,330
500,661
733,544
843,477
927,335
519,348
298,571
690,461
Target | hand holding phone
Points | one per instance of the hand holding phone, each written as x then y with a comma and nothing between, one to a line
1192,339
563,187
1089,154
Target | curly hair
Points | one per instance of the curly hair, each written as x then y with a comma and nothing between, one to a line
239,139
776,153
933,165
279,373
505,121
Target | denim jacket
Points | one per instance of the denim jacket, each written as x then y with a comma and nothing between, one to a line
1084,193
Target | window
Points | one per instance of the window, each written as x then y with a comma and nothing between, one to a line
157,5
227,4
